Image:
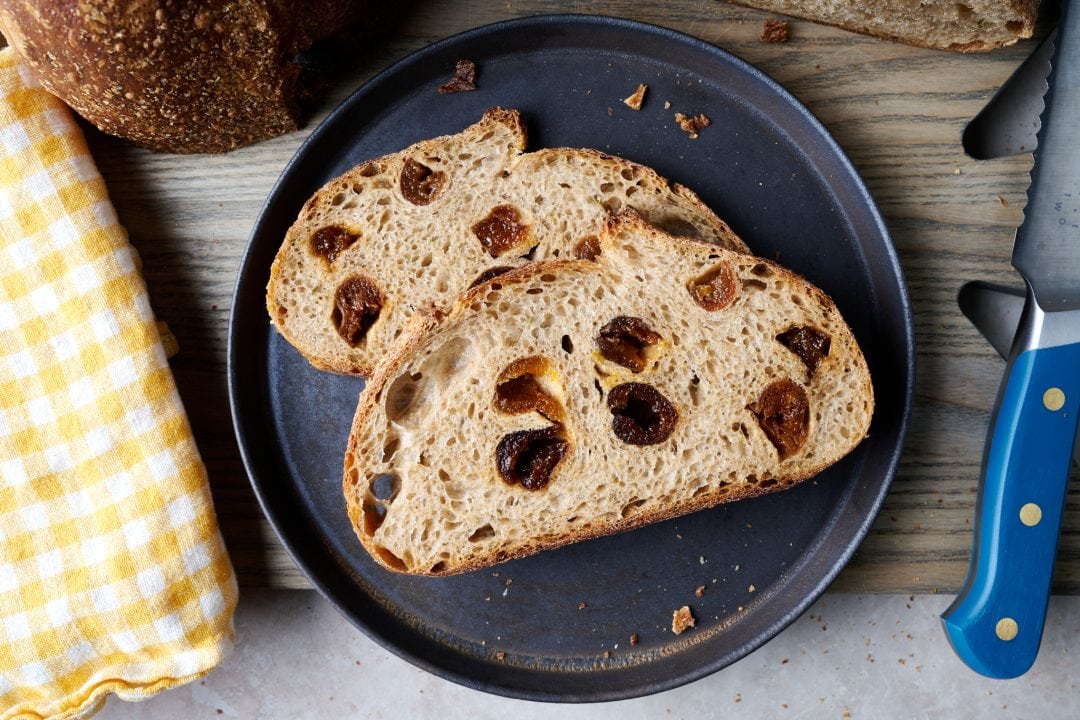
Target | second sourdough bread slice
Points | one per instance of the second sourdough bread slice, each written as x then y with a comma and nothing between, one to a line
571,399
422,225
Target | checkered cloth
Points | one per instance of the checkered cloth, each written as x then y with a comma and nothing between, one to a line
113,576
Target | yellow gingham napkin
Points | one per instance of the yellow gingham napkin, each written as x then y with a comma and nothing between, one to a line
113,576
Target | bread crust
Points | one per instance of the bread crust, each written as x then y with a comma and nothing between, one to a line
425,325
194,77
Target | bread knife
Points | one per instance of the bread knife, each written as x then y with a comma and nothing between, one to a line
996,622
1007,125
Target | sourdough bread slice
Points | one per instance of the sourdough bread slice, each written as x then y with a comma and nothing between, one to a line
422,225
969,26
572,399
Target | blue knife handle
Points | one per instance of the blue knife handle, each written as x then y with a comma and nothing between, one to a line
995,625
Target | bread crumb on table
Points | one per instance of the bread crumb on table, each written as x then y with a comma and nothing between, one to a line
692,124
774,31
700,590
464,78
681,620
634,101
634,639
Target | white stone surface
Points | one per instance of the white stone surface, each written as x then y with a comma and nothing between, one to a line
850,656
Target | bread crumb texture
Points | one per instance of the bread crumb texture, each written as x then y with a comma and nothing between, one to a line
424,225
570,399
969,26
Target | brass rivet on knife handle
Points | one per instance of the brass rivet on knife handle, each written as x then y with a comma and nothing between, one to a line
1006,629
1030,514
1054,399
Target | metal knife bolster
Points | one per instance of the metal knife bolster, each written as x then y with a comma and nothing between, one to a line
996,622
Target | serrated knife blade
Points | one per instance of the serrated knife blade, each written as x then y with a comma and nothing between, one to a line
996,623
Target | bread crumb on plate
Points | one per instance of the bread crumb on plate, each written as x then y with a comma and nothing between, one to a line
464,78
691,124
681,620
634,101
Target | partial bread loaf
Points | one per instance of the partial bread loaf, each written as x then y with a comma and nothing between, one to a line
199,76
968,26
572,399
424,224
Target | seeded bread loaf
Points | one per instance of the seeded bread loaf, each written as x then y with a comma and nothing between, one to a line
969,26
422,225
571,399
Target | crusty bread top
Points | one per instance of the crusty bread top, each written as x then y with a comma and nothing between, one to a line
423,482
969,26
424,224
201,76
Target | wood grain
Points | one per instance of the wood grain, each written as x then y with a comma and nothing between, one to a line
898,111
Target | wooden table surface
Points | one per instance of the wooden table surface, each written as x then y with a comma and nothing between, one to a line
898,111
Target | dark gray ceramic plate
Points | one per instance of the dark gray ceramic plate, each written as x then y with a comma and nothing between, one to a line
765,165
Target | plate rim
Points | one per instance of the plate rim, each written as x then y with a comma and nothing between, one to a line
300,554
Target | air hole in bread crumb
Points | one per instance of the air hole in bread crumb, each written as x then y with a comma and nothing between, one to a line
485,532
752,284
762,270
391,448
391,560
338,199
401,395
631,507
370,169
567,344
674,225
438,568
612,204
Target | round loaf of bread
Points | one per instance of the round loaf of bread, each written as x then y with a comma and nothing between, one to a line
200,76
